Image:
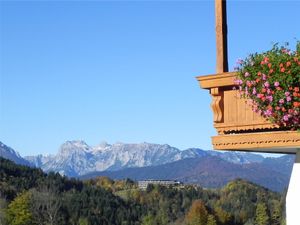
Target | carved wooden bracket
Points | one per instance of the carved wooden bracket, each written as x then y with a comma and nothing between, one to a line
217,104
231,114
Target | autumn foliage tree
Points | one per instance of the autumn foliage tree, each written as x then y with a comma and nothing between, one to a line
197,214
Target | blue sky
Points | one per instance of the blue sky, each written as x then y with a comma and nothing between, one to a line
121,71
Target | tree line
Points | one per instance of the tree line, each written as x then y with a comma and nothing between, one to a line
28,196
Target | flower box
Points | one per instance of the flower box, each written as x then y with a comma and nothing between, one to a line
238,127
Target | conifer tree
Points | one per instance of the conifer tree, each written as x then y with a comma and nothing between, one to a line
261,217
276,213
148,220
3,205
211,220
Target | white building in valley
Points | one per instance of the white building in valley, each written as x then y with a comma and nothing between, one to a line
143,184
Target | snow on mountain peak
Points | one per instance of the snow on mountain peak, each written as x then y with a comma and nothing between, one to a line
76,158
101,147
71,147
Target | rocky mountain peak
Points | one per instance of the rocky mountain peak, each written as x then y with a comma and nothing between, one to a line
8,153
76,157
71,147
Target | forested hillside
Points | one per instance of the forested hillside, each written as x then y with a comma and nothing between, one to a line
31,197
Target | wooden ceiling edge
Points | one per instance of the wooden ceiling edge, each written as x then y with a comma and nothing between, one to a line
288,151
284,142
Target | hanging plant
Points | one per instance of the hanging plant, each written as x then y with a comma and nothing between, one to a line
271,81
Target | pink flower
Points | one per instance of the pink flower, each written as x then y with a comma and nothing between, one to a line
286,118
266,84
264,76
248,83
268,112
288,98
239,61
260,95
276,84
287,51
287,93
247,74
246,91
281,101
238,81
270,98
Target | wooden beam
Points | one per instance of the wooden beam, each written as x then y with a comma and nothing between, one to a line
221,36
284,142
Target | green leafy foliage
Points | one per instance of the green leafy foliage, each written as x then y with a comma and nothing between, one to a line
18,211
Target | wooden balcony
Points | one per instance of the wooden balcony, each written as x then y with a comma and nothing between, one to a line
238,127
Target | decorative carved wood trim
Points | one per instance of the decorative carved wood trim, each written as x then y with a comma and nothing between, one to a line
233,128
273,142
217,80
231,114
216,105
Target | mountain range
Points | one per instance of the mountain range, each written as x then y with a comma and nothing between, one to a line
76,158
155,161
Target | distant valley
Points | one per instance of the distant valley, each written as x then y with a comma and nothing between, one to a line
211,172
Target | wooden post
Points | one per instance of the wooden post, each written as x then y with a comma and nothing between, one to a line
221,36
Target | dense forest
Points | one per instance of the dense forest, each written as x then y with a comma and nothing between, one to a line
28,196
